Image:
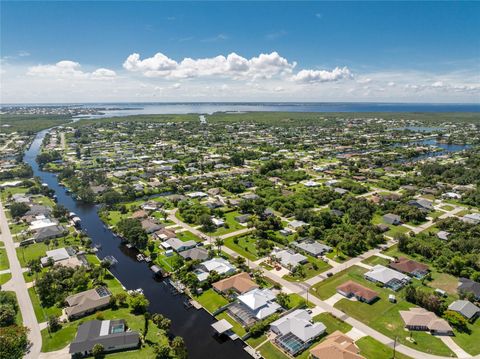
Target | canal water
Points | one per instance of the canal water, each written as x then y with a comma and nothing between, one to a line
191,324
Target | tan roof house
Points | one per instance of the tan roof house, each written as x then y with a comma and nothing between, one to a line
422,319
352,289
336,346
87,302
240,283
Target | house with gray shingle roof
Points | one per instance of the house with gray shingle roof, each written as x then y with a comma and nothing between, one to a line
465,308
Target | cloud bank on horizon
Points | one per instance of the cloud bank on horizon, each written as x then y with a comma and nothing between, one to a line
231,77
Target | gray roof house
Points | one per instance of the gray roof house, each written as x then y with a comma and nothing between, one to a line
37,210
179,246
422,204
196,253
469,286
87,302
473,218
465,308
391,218
388,277
289,259
50,232
111,334
312,247
296,327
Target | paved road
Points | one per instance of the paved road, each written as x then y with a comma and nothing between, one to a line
18,285
302,288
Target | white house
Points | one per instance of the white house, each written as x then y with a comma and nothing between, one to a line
217,264
260,302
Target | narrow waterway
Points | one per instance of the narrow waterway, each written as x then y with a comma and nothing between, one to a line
191,324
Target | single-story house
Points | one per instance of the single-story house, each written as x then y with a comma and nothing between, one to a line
297,224
140,214
87,302
150,226
422,319
49,232
244,218
465,308
164,234
197,194
239,283
217,264
37,210
289,259
295,331
352,289
218,222
336,346
179,246
469,286
422,204
391,218
113,335
388,277
196,253
472,218
63,256
311,247
340,191
443,235
410,267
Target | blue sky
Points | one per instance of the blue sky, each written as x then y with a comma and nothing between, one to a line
385,51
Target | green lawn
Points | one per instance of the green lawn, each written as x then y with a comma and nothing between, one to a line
469,342
237,327
332,323
211,300
371,348
326,288
397,230
232,224
444,281
270,351
4,264
314,267
374,260
4,278
297,300
42,313
187,236
447,207
436,214
255,342
245,246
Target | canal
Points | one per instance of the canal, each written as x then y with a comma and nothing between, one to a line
191,324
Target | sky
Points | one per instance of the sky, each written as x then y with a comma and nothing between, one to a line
80,51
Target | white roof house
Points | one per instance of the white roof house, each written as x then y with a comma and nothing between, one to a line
197,194
218,222
179,245
311,183
386,276
297,224
261,302
217,264
289,259
298,323
473,218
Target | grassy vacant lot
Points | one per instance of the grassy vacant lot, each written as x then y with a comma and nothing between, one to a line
232,224
374,260
245,246
332,323
211,300
325,289
42,313
314,267
255,342
371,348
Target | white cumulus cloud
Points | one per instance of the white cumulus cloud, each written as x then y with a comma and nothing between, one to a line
232,66
316,76
68,70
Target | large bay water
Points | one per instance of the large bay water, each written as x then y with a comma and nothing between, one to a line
193,325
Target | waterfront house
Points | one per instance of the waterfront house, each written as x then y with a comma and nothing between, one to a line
196,254
217,264
296,331
254,305
179,246
239,283
89,301
112,335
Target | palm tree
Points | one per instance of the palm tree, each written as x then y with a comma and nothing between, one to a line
219,243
